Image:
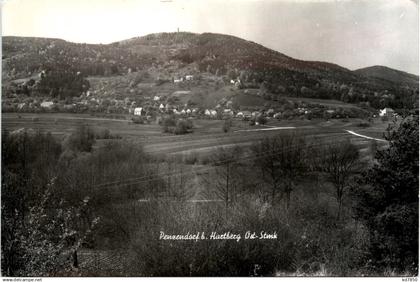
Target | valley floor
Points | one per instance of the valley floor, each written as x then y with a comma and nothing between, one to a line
207,134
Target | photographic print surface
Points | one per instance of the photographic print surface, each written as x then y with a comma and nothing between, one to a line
209,138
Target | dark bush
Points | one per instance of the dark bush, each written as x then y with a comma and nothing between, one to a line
363,124
137,120
261,119
81,140
227,124
183,126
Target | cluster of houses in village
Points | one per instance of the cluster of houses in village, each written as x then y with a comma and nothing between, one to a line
187,77
153,106
159,105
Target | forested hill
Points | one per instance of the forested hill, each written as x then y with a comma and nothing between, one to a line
225,56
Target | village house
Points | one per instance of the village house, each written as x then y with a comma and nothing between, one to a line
210,113
277,115
247,114
386,112
47,104
138,111
228,112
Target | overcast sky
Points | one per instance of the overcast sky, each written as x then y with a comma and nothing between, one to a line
353,34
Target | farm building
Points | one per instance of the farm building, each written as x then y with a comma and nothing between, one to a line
189,77
47,104
388,112
244,114
138,111
228,112
236,82
247,114
210,113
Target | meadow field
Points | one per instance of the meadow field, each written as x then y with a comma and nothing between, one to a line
207,134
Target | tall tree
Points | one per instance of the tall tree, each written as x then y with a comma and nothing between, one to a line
281,160
339,162
226,169
388,200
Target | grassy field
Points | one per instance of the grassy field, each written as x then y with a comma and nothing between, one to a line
325,102
206,137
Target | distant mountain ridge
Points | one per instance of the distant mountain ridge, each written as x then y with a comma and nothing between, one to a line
389,74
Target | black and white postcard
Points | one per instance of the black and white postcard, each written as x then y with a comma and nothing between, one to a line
209,138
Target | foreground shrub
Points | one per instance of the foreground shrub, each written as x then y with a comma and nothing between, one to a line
388,201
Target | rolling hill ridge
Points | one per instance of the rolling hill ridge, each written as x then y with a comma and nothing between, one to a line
167,56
